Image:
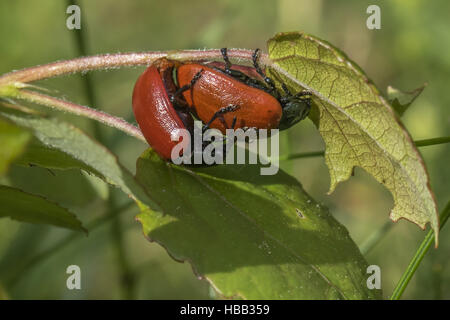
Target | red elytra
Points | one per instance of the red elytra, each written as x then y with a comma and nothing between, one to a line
153,110
215,90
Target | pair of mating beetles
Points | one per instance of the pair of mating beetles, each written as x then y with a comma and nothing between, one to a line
222,96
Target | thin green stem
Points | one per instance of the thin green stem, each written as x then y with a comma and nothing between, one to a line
126,275
418,257
376,237
97,115
431,142
418,143
302,155
80,40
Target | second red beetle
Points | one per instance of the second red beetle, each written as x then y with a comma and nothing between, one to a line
158,118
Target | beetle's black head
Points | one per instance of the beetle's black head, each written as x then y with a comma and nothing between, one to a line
295,109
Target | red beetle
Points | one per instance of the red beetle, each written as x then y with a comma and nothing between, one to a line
224,98
158,118
215,91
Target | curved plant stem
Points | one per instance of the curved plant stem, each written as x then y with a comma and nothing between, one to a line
103,117
110,61
418,257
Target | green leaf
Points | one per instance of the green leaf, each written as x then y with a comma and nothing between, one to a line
39,154
27,207
3,295
357,124
251,236
401,100
59,145
13,142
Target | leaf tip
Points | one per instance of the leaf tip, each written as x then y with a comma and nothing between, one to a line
401,100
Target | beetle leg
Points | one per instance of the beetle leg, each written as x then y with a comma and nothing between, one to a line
286,89
175,97
255,58
303,93
227,69
225,141
219,114
258,69
307,109
233,124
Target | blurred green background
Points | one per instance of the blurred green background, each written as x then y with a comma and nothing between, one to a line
411,48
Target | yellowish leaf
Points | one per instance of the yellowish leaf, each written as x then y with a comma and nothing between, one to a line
357,124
